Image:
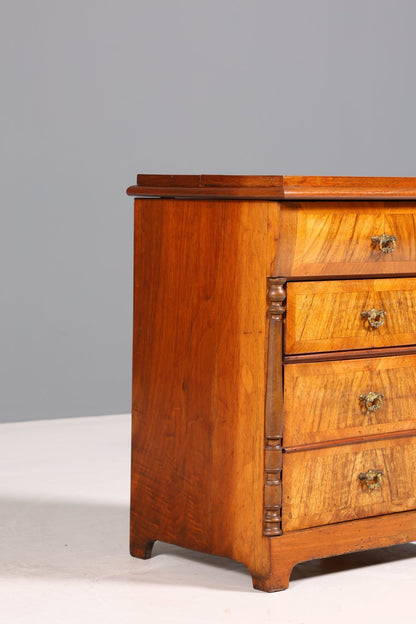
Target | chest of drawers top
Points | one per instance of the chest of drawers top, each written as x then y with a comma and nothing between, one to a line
274,187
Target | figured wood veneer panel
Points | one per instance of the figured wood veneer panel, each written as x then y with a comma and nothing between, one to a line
323,486
335,238
322,399
326,316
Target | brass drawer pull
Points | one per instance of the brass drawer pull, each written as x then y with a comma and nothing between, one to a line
372,400
375,317
386,243
372,479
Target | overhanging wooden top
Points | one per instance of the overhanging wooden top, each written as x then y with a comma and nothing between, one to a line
273,187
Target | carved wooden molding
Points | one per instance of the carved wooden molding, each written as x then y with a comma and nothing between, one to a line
276,299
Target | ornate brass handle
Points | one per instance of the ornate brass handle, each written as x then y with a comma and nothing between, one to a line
372,400
385,243
375,317
372,479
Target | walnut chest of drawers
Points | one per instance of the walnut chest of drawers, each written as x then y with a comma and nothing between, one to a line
274,367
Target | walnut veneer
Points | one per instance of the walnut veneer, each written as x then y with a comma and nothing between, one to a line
274,352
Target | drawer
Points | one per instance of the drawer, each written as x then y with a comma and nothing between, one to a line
331,394
327,316
335,239
324,486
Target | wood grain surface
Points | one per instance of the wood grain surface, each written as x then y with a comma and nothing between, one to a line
326,316
349,187
215,186
329,356
323,486
199,376
335,238
335,539
273,187
322,399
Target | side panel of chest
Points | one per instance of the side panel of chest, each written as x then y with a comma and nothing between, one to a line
199,368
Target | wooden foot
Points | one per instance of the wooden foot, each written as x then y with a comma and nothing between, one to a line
142,550
277,580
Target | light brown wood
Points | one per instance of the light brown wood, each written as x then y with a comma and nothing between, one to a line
348,187
335,539
322,400
326,316
334,238
273,187
323,486
199,376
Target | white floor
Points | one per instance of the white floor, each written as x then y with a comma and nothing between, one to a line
64,497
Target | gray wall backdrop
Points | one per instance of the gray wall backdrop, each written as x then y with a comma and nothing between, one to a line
94,91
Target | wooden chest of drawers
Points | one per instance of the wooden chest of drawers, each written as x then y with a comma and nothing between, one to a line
274,379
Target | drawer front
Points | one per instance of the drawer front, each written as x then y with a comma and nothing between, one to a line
324,486
342,399
335,239
327,316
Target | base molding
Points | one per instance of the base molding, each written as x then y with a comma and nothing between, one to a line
294,547
271,572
